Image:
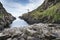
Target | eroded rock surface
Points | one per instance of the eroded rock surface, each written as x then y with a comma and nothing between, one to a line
32,32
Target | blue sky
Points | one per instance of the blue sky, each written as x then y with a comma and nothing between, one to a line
23,2
18,7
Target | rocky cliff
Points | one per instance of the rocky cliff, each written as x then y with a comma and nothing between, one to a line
48,12
5,18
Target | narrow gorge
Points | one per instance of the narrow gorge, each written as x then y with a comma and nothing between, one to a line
43,23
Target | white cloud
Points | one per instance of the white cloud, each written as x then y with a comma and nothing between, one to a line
17,9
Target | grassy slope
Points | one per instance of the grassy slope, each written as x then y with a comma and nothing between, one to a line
1,15
49,15
53,12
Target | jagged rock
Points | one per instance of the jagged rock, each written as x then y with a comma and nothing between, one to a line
5,18
31,32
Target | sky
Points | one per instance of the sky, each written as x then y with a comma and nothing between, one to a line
19,7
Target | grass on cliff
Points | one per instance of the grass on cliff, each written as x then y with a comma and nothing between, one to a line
1,15
52,14
53,11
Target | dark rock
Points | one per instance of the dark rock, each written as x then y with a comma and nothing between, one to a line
5,18
51,25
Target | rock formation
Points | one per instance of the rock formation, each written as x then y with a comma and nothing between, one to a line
48,12
5,18
32,32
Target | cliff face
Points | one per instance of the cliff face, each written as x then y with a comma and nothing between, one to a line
5,17
47,4
48,12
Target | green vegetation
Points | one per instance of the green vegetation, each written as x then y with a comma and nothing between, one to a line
1,15
53,12
48,13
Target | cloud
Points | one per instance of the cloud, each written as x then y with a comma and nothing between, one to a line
17,9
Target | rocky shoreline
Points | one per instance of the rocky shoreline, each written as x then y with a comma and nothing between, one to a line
32,32
5,18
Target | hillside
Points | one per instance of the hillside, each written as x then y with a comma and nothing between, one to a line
48,12
5,17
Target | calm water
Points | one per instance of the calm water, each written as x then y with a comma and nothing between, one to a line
19,23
